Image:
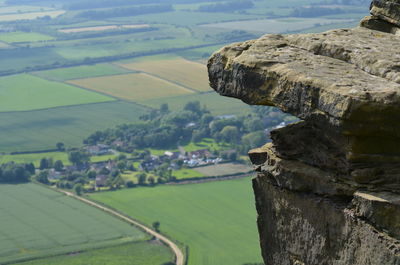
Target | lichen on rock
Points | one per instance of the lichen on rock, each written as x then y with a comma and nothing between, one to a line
328,187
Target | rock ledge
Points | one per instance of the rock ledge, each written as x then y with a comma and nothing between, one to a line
328,187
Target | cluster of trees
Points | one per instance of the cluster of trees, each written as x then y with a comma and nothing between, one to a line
165,129
125,11
226,6
315,11
16,173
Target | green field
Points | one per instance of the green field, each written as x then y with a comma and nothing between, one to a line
42,129
134,87
216,104
225,169
19,36
276,25
83,71
185,173
35,158
206,143
137,253
38,222
217,220
26,92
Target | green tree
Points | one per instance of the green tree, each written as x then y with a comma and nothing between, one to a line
44,164
43,177
156,226
60,146
230,134
164,108
58,165
121,165
78,189
142,178
78,158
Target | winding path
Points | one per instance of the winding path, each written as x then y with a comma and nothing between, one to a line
179,257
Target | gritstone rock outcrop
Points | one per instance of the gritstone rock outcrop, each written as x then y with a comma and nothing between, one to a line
328,187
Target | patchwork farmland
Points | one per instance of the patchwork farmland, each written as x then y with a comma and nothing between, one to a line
26,92
42,129
83,71
37,232
134,87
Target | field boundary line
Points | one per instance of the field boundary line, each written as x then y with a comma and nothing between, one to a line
179,256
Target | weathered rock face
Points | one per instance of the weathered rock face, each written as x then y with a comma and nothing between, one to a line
328,187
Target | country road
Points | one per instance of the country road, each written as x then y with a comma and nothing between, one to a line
179,257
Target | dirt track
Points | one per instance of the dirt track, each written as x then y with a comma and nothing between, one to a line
179,257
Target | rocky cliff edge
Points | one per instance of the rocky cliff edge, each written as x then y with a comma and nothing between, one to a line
328,187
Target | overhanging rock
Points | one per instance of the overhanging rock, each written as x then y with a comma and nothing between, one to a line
345,86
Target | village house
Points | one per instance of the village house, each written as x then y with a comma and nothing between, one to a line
99,149
101,181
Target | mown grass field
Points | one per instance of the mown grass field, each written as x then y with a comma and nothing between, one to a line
35,158
217,220
42,129
136,253
185,173
223,169
189,74
215,103
37,222
206,143
83,71
19,36
134,87
26,92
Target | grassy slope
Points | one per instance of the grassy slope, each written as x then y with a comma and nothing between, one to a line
37,221
217,219
138,253
42,129
83,71
24,37
26,92
35,158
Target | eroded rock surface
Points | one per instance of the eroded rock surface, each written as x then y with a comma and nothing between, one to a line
328,187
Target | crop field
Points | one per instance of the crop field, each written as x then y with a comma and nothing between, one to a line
22,9
217,220
187,18
185,173
18,36
31,15
136,253
223,169
189,74
84,71
215,103
42,129
276,25
35,158
126,46
38,222
103,28
134,87
26,92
